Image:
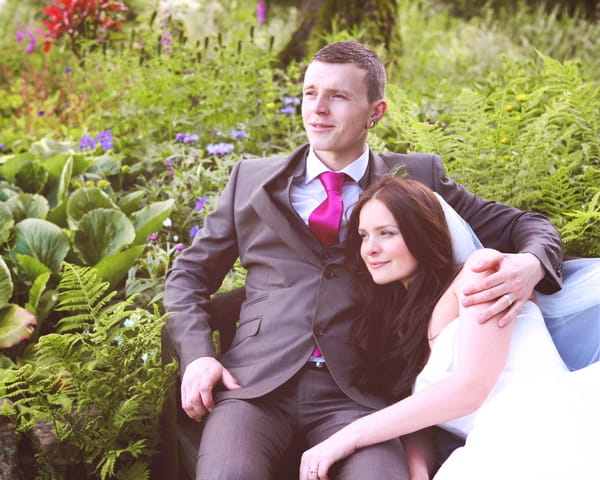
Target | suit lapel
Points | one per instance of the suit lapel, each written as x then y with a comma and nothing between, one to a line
377,169
271,201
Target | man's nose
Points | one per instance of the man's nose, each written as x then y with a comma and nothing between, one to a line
321,105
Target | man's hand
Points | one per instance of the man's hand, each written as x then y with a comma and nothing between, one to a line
509,287
197,385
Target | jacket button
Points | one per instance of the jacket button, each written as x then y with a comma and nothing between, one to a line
319,331
329,273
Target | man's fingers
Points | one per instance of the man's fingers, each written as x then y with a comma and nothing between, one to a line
192,405
483,285
207,398
500,312
229,381
484,293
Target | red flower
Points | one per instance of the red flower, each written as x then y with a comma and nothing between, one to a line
82,19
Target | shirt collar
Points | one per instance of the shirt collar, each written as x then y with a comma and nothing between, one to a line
356,170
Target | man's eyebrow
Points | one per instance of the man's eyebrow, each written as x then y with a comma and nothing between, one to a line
329,90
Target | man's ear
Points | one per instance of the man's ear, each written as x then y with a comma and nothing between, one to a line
379,110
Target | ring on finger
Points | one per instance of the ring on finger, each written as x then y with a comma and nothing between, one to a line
508,297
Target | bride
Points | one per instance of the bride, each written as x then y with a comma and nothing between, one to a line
506,390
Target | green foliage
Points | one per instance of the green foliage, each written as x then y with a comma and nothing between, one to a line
529,138
97,383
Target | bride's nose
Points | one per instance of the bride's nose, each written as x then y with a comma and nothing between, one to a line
371,246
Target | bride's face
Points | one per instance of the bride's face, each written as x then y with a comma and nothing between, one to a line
383,249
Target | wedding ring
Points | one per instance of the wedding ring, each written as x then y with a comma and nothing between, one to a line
510,300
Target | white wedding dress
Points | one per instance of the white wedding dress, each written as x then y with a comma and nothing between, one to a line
541,421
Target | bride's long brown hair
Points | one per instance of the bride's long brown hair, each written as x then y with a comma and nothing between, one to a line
393,324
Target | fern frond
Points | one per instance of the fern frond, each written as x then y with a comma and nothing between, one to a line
83,293
134,471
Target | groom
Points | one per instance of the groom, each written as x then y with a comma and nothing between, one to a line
288,372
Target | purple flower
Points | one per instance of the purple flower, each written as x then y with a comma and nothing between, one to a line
169,163
165,39
239,134
191,138
170,173
186,137
87,142
291,101
200,203
152,237
219,148
287,110
179,246
32,43
194,231
68,70
2,146
106,140
261,12
41,113
20,36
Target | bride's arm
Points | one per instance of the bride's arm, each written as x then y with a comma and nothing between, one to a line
483,349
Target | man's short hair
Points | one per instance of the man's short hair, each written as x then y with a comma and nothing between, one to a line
363,57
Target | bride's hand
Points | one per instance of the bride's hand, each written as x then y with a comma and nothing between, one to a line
317,461
509,287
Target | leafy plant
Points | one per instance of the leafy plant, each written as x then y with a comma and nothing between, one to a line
96,386
81,20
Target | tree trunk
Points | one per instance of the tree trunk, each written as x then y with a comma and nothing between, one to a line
373,21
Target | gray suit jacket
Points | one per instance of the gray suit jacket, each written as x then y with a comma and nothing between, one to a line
298,292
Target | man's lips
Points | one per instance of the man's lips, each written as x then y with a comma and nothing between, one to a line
320,126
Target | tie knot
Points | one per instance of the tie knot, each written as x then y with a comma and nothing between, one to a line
332,181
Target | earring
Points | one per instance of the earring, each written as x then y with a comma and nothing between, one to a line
372,123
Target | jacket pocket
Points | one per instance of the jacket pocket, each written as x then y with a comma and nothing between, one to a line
246,329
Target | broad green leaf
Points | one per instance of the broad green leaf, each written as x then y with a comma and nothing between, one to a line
16,325
42,240
27,205
150,219
114,268
6,222
131,202
8,190
31,176
58,214
6,284
32,266
85,200
36,291
12,164
60,168
102,233
62,189
42,300
48,147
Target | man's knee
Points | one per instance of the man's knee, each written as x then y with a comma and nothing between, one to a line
384,460
233,466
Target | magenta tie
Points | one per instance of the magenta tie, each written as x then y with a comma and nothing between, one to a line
325,220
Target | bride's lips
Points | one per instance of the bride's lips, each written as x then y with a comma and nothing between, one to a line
376,265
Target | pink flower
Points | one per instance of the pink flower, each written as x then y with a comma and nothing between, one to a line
261,12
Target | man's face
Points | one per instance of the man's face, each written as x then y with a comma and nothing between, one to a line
336,112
